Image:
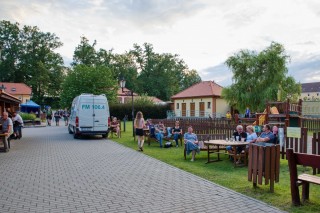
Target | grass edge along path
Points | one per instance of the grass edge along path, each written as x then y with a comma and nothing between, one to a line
224,174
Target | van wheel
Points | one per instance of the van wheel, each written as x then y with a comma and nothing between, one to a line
75,136
104,135
69,130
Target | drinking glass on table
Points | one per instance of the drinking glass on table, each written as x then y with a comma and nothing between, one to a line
242,139
237,138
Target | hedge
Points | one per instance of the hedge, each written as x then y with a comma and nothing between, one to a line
149,111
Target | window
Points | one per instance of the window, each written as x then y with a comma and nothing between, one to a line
20,97
317,94
209,105
13,89
177,105
308,94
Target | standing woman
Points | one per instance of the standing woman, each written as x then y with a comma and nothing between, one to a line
139,125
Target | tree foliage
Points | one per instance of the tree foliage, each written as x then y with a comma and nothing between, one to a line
161,75
28,57
258,76
88,79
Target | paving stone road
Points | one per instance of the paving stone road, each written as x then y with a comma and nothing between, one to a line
49,171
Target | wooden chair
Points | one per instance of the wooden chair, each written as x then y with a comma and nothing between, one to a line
295,159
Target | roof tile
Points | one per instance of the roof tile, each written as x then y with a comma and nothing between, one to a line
202,89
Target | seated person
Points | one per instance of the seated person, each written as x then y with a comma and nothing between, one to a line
266,136
17,124
192,143
239,135
160,130
152,130
7,129
177,132
275,133
115,126
251,135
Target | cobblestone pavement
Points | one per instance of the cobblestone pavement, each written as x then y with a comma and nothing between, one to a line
49,171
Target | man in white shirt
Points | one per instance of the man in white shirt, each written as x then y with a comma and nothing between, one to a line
7,129
17,124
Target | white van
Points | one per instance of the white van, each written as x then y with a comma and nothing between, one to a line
89,115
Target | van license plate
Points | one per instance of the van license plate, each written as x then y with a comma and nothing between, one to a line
85,129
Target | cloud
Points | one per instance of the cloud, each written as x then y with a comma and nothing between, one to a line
306,70
219,74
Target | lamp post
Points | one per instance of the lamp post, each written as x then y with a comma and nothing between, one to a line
128,93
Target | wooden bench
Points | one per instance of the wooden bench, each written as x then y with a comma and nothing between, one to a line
295,159
202,138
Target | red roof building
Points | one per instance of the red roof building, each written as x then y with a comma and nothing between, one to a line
19,90
200,100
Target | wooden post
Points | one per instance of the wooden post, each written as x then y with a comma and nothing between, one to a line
293,178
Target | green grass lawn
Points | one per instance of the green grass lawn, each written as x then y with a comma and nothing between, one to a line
225,174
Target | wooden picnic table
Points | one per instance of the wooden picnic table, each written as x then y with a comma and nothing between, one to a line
219,143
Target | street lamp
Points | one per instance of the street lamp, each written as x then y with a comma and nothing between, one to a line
128,93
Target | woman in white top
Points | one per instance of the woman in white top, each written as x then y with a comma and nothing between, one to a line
139,125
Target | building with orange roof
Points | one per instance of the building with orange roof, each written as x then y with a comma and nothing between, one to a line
19,90
200,100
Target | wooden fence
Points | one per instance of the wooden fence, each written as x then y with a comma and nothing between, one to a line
312,124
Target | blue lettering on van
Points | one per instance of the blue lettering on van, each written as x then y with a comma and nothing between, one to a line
85,106
97,106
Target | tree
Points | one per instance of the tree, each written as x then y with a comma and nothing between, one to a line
88,79
85,53
258,77
160,75
28,56
191,77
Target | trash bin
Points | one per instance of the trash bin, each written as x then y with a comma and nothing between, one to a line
264,162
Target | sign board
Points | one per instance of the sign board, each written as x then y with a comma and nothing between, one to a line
281,136
293,132
257,128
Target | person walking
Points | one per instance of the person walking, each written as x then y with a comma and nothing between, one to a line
139,125
57,118
49,116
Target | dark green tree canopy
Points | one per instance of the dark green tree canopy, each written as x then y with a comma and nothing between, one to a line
258,77
88,79
28,56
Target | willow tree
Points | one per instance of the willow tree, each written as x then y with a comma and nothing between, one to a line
258,77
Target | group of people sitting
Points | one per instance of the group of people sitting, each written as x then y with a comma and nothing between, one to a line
160,132
267,136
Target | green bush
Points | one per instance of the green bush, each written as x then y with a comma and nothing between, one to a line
27,116
149,111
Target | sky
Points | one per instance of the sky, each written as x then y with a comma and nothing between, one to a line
204,33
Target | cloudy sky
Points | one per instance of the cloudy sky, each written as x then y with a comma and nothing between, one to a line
204,33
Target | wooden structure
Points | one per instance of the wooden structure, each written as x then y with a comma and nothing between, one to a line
218,143
264,161
295,159
298,144
276,113
8,103
316,149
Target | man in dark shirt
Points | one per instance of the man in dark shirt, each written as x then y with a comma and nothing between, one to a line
239,135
